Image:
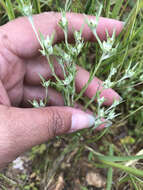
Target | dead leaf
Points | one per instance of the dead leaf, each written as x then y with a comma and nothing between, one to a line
95,179
60,183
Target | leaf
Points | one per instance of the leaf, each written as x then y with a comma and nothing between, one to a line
119,158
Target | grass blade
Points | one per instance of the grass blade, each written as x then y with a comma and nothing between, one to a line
36,6
107,4
131,21
110,171
133,182
88,6
109,178
117,8
120,159
10,10
129,170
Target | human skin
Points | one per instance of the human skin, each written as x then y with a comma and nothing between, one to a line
20,66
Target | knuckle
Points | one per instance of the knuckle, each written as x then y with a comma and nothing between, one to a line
3,64
8,58
57,123
7,142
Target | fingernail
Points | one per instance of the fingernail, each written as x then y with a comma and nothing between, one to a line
81,121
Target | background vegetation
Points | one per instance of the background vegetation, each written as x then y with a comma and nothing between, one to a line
111,152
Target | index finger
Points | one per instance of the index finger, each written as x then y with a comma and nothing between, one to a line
25,44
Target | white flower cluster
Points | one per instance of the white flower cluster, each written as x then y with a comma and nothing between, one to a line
27,10
129,73
25,7
66,58
108,114
106,46
107,83
46,44
63,22
35,103
92,23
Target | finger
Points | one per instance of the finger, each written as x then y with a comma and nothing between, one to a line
47,23
37,66
38,93
40,66
31,93
25,128
4,99
54,99
95,85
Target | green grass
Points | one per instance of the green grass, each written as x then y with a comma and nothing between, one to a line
126,133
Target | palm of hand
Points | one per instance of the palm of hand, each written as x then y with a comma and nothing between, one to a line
19,76
12,72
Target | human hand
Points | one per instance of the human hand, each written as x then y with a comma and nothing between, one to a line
20,66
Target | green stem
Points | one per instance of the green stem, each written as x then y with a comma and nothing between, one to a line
7,180
129,170
133,182
110,171
36,4
32,23
92,74
131,114
52,69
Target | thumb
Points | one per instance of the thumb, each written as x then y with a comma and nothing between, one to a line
28,127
